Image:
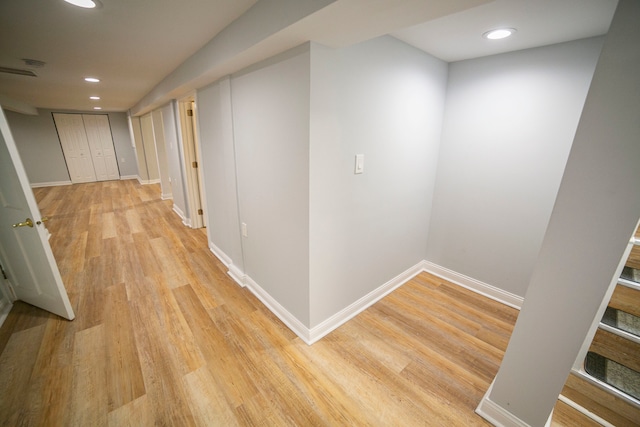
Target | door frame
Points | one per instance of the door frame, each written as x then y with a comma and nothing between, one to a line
191,153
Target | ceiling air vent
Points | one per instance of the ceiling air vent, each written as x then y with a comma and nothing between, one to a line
18,71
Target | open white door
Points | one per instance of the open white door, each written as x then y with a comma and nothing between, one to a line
24,247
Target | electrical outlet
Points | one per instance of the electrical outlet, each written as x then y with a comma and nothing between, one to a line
244,230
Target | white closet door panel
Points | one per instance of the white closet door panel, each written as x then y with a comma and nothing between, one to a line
75,147
101,143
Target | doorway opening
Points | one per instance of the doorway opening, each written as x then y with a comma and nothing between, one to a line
192,161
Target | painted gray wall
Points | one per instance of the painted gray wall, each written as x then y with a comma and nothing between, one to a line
122,144
595,214
219,169
271,130
384,99
39,146
174,157
509,123
214,60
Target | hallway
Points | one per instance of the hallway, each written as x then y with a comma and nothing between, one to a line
164,337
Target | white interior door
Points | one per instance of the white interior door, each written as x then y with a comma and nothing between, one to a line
24,250
75,146
101,145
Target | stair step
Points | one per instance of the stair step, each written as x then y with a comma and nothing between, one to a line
634,258
616,375
616,348
608,406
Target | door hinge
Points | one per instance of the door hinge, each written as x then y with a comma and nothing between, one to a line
194,165
189,113
200,212
3,273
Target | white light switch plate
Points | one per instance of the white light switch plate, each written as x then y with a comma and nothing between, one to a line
359,164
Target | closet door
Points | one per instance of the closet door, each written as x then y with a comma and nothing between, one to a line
101,145
75,147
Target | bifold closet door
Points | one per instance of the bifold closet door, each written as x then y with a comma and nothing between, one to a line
75,147
103,154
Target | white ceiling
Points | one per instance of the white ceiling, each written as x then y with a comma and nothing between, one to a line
538,23
132,45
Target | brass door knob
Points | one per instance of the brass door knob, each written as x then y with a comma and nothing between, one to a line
26,223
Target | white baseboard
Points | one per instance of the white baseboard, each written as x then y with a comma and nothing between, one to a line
147,181
179,212
224,258
125,177
496,414
234,272
4,312
311,335
237,275
474,285
349,312
282,313
167,196
50,184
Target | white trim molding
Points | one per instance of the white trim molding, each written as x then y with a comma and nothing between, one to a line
179,212
489,291
5,308
282,313
312,335
497,415
126,177
237,275
234,272
49,184
349,312
166,196
147,181
224,258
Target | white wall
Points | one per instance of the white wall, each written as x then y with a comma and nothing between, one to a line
219,170
509,124
174,159
383,99
161,153
595,214
271,132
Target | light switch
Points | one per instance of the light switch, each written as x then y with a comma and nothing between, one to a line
359,164
244,230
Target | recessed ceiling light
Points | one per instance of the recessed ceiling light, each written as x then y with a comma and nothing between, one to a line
87,4
91,80
97,108
499,33
95,98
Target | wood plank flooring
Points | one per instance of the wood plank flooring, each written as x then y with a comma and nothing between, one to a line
164,337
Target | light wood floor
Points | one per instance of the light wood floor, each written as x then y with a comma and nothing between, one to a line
164,337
